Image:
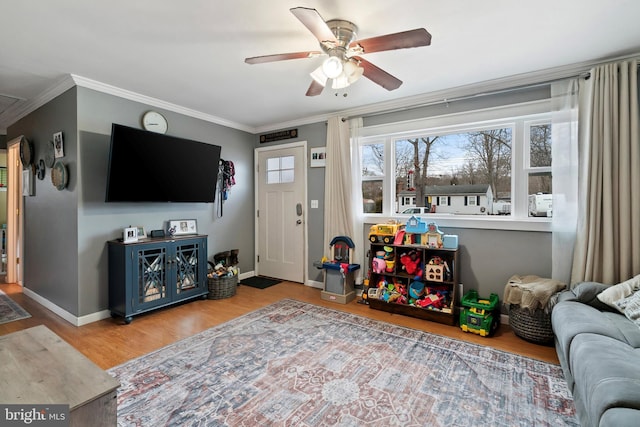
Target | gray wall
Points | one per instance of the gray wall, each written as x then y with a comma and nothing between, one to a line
66,231
50,261
316,136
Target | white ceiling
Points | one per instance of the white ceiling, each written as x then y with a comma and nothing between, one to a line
191,53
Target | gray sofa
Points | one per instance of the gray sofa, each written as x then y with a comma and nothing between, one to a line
599,350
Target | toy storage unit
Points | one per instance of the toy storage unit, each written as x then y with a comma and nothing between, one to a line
388,268
479,316
339,276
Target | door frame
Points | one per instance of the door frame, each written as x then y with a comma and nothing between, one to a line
15,214
305,245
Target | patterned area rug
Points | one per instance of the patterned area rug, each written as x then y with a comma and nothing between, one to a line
296,364
10,310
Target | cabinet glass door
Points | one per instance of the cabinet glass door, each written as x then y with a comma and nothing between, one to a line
188,270
152,278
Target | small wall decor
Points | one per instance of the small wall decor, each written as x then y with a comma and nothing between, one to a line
58,145
318,157
40,169
179,227
27,182
130,234
49,154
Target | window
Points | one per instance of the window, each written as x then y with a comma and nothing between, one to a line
372,177
280,170
503,153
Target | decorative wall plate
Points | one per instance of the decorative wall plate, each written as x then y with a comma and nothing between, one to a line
59,175
49,154
26,152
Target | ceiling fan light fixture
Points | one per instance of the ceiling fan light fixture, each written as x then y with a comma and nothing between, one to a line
319,76
332,67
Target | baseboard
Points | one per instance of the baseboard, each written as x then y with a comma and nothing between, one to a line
246,275
504,319
315,284
71,318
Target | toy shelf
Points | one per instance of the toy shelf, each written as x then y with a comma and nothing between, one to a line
404,265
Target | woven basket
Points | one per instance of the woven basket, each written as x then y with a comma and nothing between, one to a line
222,287
532,325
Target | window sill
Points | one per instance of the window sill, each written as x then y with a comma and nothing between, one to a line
485,222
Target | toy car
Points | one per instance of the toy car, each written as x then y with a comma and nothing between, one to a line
385,233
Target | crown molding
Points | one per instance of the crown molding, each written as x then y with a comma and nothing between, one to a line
155,102
488,87
21,109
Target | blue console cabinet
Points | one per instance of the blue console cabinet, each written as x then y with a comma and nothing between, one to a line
154,273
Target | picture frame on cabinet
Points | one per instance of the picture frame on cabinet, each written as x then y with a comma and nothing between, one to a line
130,235
181,227
142,234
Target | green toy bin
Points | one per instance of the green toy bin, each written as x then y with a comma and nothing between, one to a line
479,316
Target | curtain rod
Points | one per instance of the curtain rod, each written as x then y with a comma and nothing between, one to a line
584,74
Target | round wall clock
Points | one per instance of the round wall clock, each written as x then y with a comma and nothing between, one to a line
154,122
59,175
26,152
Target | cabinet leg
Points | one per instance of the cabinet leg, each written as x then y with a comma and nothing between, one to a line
128,320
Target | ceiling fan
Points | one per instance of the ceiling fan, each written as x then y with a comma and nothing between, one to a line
345,64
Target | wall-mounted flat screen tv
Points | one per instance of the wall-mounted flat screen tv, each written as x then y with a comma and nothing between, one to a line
151,167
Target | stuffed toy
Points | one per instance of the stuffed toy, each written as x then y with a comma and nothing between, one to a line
378,265
411,263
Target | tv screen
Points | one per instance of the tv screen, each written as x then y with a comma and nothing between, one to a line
151,167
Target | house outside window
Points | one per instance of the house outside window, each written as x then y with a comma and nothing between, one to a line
507,150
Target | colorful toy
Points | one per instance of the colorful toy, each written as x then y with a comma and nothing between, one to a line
416,289
479,316
339,280
434,236
384,232
378,265
411,263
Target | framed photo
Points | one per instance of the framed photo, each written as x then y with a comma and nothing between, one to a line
318,157
178,227
58,145
130,234
142,234
27,182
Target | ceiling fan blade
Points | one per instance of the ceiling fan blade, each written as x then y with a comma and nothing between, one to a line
402,40
282,57
311,19
315,88
378,75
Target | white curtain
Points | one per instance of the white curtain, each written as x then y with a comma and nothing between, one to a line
355,125
338,200
608,241
564,172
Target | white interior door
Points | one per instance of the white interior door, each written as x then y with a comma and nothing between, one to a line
281,212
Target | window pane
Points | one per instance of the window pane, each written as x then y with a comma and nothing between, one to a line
540,195
372,196
373,160
540,145
286,175
287,162
273,177
273,163
438,166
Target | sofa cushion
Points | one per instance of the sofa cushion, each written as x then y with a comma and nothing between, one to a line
617,292
630,307
587,293
607,375
620,417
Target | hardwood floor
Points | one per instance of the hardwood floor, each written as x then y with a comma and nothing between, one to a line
110,342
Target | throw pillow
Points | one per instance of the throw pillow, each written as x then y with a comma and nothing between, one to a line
630,307
617,292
